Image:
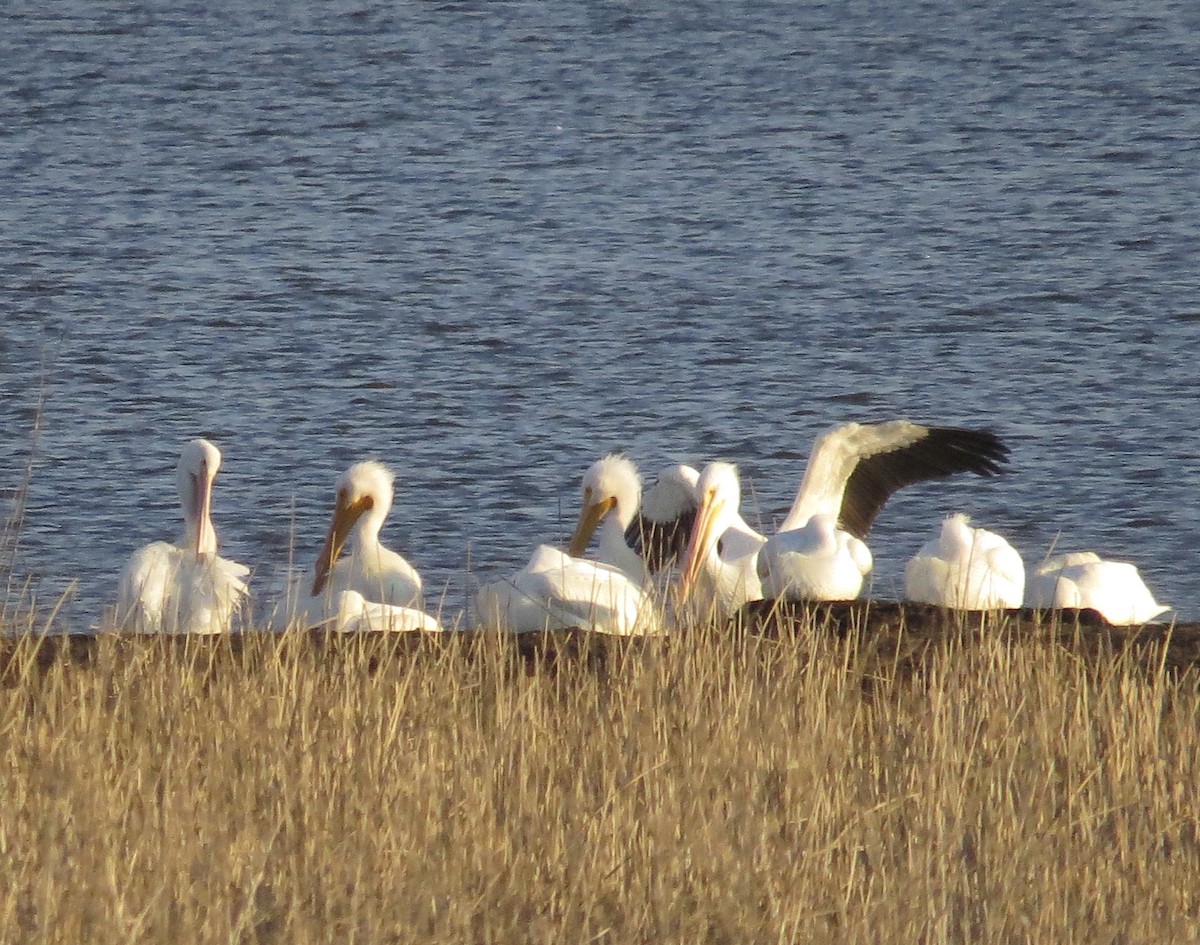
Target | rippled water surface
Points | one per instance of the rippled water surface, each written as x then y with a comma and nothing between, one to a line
487,242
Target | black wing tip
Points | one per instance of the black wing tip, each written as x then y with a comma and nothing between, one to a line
982,452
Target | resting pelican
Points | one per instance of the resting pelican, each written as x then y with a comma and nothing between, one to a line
967,569
1084,579
556,591
612,489
641,536
364,496
659,533
817,561
852,471
346,611
722,553
350,612
185,587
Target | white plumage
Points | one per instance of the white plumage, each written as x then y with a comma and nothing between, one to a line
364,497
852,471
557,591
640,534
1084,579
817,561
184,587
612,489
719,572
966,568
350,612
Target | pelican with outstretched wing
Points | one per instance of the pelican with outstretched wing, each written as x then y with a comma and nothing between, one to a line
852,471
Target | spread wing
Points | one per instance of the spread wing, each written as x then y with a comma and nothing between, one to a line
854,469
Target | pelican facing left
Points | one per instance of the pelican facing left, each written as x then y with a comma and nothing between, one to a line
364,496
184,587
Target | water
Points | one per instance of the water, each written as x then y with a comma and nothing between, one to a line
487,242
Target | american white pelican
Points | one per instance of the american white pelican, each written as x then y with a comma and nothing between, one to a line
967,569
346,611
364,496
612,489
659,533
355,614
719,570
556,591
852,471
640,535
1084,579
817,561
185,587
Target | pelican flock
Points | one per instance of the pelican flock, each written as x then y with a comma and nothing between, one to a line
680,551
851,473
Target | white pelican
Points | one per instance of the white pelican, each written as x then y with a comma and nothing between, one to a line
346,611
556,591
817,561
612,490
641,536
350,612
722,553
967,569
364,496
660,531
852,471
1084,579
185,587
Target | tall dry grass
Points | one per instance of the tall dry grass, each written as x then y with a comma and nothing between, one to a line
705,790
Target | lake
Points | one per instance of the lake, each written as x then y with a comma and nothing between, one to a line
488,242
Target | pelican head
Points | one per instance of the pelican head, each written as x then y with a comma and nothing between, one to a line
198,465
719,494
363,489
610,483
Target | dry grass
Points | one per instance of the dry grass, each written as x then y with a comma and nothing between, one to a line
712,790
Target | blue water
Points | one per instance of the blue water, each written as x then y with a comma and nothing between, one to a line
487,242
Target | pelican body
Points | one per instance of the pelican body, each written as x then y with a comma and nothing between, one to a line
817,561
350,612
558,591
364,497
1084,579
719,573
966,568
184,587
